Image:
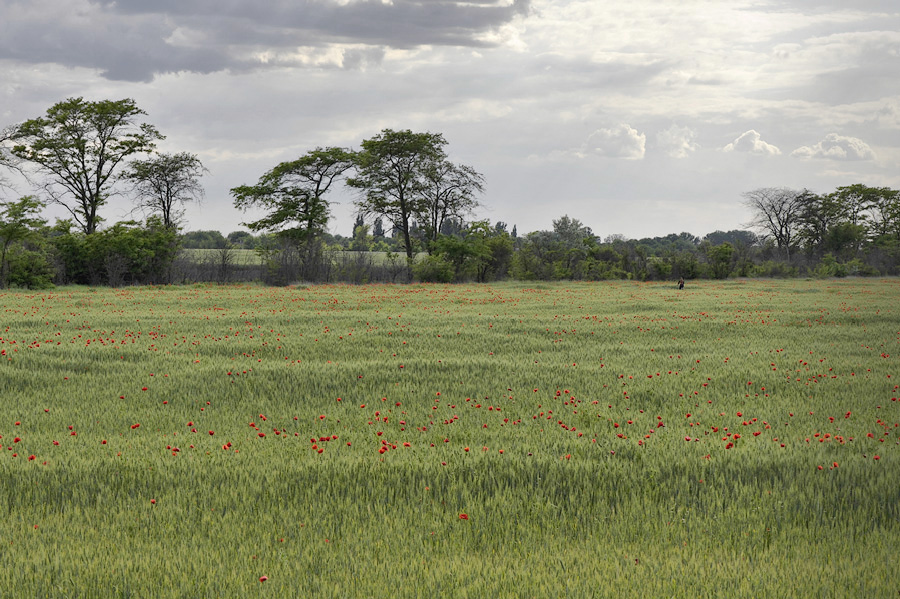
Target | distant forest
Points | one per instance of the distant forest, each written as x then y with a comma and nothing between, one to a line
415,219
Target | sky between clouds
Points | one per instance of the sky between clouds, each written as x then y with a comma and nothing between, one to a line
638,117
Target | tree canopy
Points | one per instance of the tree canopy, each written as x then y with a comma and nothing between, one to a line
391,174
293,193
78,146
449,192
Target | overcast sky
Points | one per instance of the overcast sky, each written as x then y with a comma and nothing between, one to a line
637,117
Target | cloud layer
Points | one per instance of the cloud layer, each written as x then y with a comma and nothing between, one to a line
594,109
134,40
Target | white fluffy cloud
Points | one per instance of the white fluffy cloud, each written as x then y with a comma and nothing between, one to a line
677,142
621,141
751,141
837,147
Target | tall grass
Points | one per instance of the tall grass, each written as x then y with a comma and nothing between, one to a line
188,441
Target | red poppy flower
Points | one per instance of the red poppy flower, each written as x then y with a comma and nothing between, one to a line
464,516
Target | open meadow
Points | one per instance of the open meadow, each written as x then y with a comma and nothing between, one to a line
618,439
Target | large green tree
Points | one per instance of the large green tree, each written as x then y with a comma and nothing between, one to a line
877,209
391,174
78,147
162,182
293,194
819,214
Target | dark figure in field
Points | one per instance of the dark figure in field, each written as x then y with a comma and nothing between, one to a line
681,283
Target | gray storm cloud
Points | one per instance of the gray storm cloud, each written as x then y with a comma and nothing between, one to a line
135,40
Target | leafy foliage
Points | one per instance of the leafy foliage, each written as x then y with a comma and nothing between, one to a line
293,193
19,221
126,253
391,174
79,146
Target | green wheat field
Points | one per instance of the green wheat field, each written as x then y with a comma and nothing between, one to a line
734,439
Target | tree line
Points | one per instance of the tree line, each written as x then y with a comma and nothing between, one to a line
414,210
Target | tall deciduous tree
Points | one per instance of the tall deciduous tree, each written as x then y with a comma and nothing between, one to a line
777,211
165,181
293,193
449,192
78,146
391,174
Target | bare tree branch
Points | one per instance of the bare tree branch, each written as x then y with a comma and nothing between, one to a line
163,182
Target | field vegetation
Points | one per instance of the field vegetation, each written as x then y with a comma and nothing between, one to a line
621,439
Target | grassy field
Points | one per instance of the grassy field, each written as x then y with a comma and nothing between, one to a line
735,439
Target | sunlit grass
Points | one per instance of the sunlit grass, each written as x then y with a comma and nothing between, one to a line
616,439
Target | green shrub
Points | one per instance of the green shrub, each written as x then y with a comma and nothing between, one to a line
434,269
